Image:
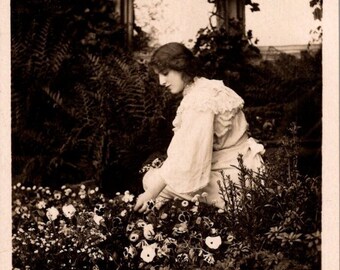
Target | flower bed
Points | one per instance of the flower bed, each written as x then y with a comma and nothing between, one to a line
80,228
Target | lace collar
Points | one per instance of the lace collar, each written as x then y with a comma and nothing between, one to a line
190,86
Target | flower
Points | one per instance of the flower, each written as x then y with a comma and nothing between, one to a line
68,191
99,209
185,203
98,219
196,198
57,195
130,252
82,193
148,232
194,209
163,251
127,197
159,237
209,258
230,238
180,228
52,213
156,163
130,227
68,210
148,252
41,204
123,213
164,215
198,220
182,258
213,242
142,244
140,223
134,236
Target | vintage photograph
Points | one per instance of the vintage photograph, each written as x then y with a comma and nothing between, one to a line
168,134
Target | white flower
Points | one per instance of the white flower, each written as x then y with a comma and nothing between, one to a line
164,216
148,253
68,191
185,203
140,223
157,163
82,193
123,213
41,226
213,242
41,204
127,197
148,232
57,195
69,210
159,237
52,213
134,236
194,209
214,231
130,227
196,198
142,243
98,219
209,258
230,238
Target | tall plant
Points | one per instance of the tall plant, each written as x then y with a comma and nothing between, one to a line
82,108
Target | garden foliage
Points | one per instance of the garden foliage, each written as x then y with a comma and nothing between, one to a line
82,108
271,221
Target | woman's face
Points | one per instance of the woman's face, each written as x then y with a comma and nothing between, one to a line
172,80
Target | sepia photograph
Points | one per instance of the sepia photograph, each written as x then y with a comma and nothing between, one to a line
169,134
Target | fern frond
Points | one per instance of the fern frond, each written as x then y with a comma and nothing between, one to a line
59,53
55,96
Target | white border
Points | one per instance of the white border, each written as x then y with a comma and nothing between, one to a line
330,210
330,141
5,139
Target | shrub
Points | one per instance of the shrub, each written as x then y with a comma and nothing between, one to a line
82,108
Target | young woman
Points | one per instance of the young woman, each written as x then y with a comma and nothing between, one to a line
210,131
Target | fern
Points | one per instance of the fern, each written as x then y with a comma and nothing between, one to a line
80,111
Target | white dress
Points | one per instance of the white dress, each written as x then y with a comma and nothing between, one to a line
210,131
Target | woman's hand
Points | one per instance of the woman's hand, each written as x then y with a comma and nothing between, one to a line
142,201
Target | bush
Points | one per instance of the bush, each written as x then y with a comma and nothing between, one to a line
82,108
271,221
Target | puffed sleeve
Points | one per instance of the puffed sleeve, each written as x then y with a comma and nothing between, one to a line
187,167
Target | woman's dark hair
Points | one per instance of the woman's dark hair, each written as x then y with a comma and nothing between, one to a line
175,56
